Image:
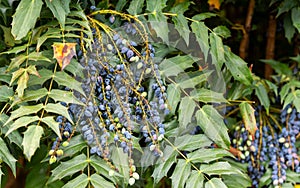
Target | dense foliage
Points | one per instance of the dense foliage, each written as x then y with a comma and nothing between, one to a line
143,94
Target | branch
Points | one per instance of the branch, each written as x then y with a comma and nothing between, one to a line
271,33
245,40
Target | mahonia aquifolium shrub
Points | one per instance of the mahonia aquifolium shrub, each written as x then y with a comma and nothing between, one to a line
125,97
272,148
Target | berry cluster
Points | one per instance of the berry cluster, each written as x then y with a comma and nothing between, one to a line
125,97
272,147
63,141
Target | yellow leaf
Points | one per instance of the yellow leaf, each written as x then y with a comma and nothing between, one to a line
297,186
214,4
63,53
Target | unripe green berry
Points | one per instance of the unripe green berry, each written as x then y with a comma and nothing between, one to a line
147,71
65,143
144,94
109,47
59,152
133,168
52,159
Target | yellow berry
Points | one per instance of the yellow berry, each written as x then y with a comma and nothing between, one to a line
52,159
59,152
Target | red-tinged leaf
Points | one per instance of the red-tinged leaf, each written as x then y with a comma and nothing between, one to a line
63,53
32,70
248,117
22,84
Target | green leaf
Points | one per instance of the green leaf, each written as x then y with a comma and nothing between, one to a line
22,84
203,16
38,56
59,11
51,33
64,96
175,65
58,109
120,5
173,94
31,95
25,17
181,25
295,18
296,58
186,111
99,182
23,111
75,68
201,33
69,167
292,176
286,6
31,140
207,96
120,160
156,5
181,173
248,116
8,38
191,142
161,169
76,145
289,29
103,168
15,50
262,95
7,157
280,68
218,168
16,62
217,50
15,136
64,79
6,93
79,182
159,24
211,122
238,68
135,7
45,75
191,80
237,180
54,125
195,179
204,155
222,31
16,75
180,8
215,183
21,122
